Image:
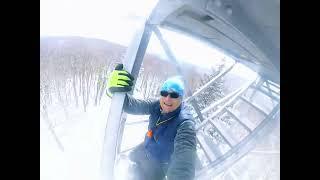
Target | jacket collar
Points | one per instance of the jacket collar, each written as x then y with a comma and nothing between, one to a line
170,114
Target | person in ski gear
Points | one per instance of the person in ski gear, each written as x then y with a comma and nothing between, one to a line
169,147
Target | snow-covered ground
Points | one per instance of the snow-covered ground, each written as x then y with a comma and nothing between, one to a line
81,135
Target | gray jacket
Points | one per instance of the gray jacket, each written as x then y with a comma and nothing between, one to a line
182,162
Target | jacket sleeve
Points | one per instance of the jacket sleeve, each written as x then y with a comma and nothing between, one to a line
137,106
182,164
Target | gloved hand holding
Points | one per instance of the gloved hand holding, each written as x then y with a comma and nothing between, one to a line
120,80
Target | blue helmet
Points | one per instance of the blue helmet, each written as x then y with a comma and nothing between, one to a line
174,84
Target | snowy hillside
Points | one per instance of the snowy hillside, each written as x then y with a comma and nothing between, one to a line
74,109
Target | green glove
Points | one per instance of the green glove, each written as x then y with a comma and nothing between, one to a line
119,81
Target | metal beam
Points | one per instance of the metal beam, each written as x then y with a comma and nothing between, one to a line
259,86
260,82
172,57
126,150
223,134
220,110
197,109
268,93
274,84
263,71
138,122
253,105
221,101
265,152
206,86
205,147
242,148
269,89
238,120
113,132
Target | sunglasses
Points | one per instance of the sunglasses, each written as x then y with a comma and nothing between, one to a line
172,94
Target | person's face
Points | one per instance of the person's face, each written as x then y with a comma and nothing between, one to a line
168,103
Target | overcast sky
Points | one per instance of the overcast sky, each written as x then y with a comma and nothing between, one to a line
117,21
105,19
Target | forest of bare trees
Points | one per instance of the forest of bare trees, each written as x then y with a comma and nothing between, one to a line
74,71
